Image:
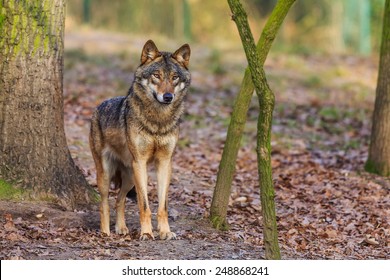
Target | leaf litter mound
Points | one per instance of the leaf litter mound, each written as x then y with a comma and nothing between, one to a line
327,206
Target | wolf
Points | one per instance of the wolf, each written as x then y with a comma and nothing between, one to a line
128,132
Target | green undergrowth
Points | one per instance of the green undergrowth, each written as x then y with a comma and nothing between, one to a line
216,64
9,192
77,56
95,196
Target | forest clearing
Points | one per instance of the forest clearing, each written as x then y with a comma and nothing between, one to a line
327,206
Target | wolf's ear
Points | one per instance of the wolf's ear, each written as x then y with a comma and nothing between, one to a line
149,52
182,55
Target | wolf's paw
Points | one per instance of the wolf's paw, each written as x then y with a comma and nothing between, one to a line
104,234
105,231
146,236
167,235
121,230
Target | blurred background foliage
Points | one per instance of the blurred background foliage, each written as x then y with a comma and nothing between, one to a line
321,26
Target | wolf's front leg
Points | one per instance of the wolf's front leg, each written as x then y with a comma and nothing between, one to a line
103,183
164,171
141,183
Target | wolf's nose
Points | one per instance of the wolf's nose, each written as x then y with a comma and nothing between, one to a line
168,97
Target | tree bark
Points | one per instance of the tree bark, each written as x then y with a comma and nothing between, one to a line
266,102
33,149
239,115
379,154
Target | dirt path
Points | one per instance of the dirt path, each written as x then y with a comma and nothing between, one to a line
42,231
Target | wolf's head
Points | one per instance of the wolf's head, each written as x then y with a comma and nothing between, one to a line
163,76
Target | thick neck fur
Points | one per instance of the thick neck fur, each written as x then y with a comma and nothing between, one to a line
150,115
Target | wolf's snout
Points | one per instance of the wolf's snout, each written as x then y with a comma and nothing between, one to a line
168,97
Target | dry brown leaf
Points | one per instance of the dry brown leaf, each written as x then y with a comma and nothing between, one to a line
9,224
13,236
370,240
292,231
331,233
241,199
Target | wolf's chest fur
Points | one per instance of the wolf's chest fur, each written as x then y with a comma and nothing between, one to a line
133,126
150,116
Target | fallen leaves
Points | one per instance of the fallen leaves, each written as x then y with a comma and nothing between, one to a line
10,231
327,207
39,216
9,224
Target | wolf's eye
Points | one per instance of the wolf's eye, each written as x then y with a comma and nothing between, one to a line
157,76
175,78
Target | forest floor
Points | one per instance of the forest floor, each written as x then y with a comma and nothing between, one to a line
327,206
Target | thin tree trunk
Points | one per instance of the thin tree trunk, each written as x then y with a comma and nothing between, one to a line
33,149
236,127
379,155
266,102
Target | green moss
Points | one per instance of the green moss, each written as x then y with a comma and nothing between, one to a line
15,27
372,167
28,19
37,42
24,21
219,223
8,192
46,42
2,17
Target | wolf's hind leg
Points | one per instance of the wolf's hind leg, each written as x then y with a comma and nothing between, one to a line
126,186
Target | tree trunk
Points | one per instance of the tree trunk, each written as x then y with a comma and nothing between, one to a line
379,155
266,102
236,127
33,149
